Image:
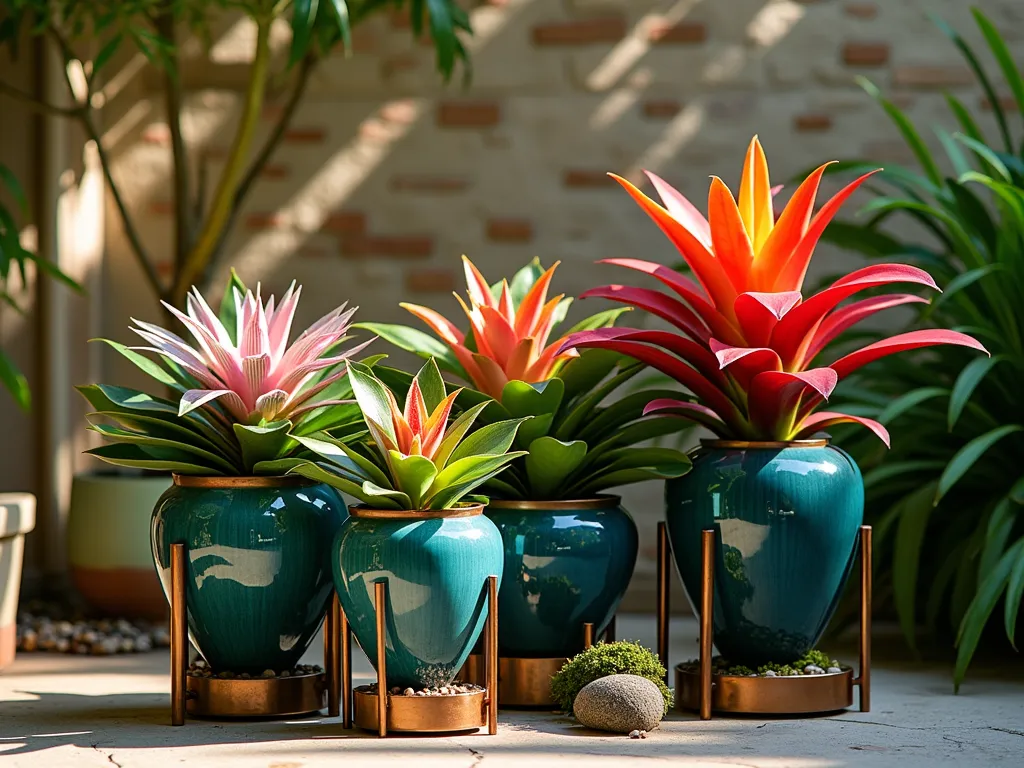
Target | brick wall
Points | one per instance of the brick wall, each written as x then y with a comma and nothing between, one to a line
386,176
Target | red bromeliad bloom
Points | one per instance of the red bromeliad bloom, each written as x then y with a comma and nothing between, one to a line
746,339
511,341
417,431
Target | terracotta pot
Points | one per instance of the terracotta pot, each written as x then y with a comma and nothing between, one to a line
17,517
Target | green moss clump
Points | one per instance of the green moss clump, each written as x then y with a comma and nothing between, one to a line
603,659
720,666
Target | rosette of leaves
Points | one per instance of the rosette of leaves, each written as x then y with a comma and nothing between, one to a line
416,460
585,433
245,396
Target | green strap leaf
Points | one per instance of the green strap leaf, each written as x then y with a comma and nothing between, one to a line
915,511
340,10
906,128
303,18
120,435
372,397
431,385
413,475
1002,55
15,382
997,533
970,377
146,365
467,473
263,443
345,460
10,181
600,320
419,343
550,464
980,609
125,455
491,440
228,312
455,432
1014,595
969,454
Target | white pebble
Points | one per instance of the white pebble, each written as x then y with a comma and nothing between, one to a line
813,669
771,673
834,670
634,734
409,692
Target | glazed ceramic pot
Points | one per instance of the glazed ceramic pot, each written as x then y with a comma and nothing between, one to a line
566,563
786,518
435,564
258,573
109,553
17,517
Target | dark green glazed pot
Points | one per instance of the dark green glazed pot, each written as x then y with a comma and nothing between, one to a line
258,575
435,565
567,563
786,518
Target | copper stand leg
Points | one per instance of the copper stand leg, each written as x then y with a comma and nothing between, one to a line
179,635
864,681
346,669
380,607
332,658
707,593
663,596
609,633
588,635
491,653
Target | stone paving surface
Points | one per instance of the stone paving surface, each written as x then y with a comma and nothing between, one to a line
58,711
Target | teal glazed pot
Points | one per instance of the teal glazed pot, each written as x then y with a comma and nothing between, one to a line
786,518
435,564
258,572
567,563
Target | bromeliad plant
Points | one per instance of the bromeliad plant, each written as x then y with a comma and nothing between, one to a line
246,394
747,343
417,460
576,444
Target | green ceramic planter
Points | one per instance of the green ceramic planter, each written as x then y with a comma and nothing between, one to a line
435,565
786,518
566,563
258,574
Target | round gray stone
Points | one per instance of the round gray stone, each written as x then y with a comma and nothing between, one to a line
619,703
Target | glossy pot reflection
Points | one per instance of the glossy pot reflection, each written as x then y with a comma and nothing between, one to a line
566,563
786,517
258,572
435,565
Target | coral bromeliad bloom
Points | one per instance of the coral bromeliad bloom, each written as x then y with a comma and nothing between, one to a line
746,341
418,460
510,338
244,393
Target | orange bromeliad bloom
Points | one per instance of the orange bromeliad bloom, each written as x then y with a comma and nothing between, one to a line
511,342
417,431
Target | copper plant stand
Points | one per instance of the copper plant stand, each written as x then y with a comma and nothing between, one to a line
384,712
804,694
526,682
257,697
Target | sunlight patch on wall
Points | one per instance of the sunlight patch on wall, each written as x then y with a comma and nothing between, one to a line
679,132
621,99
774,21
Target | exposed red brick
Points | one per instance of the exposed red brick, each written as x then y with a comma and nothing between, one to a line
1006,103
158,134
865,54
467,114
609,29
275,171
165,268
393,246
661,109
428,183
272,112
812,121
509,230
400,18
400,62
430,280
312,251
582,178
931,76
887,151
686,32
861,10
345,223
161,207
402,111
263,221
304,136
363,41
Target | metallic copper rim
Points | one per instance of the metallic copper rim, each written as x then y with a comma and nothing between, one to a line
804,694
521,682
275,697
599,502
753,445
470,510
421,714
269,481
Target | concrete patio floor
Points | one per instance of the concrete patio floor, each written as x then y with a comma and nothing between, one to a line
79,711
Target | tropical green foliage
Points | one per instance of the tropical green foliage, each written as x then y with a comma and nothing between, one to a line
947,501
247,398
586,432
417,460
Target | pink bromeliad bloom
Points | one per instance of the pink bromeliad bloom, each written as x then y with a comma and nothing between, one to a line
259,377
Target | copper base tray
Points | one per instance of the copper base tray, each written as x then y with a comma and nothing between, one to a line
521,682
422,714
796,695
273,697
